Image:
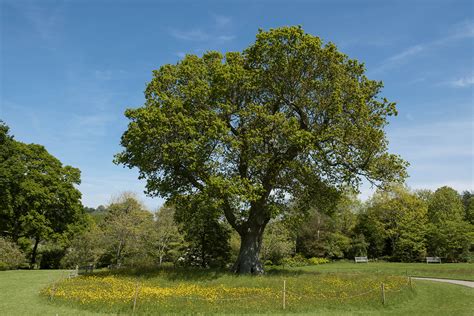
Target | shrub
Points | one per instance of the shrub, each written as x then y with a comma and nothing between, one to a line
297,261
316,261
11,256
51,257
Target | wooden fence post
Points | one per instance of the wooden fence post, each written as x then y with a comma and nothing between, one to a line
284,294
382,287
135,298
53,292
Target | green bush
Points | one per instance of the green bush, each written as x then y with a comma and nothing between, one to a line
11,256
297,261
316,261
51,257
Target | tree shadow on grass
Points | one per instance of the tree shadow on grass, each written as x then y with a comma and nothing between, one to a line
279,271
172,273
166,272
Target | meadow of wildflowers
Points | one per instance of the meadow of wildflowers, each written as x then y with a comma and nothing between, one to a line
221,292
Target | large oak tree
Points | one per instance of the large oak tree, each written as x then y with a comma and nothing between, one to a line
288,117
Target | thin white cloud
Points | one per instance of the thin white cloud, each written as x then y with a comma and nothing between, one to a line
409,117
414,50
463,82
364,42
103,74
225,38
222,20
215,33
31,121
45,21
435,129
191,35
462,30
198,35
108,74
440,153
88,127
449,139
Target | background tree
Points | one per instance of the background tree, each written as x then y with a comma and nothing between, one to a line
319,236
97,214
358,247
449,235
85,248
207,237
451,240
39,199
125,228
468,202
11,256
278,242
165,240
445,204
371,230
287,116
395,225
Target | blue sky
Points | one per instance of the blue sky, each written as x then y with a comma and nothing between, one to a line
69,69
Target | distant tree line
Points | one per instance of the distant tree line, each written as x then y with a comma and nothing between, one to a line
43,223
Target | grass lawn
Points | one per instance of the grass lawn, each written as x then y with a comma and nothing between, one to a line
458,271
325,289
19,293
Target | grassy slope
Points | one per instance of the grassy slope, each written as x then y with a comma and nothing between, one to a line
19,292
459,271
430,298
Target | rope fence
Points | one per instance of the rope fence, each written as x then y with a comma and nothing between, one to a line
285,292
287,295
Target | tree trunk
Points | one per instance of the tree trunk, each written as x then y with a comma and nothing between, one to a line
33,253
203,253
248,261
119,253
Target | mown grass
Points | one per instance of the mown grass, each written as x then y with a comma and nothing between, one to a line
20,292
458,271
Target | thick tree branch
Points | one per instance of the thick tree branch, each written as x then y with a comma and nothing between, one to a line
230,216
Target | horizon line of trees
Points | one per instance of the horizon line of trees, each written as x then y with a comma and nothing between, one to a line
393,225
43,223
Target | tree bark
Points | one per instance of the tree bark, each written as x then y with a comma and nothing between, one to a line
248,261
33,253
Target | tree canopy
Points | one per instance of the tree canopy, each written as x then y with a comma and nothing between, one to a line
283,120
38,195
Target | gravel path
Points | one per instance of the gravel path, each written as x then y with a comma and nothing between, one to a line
459,282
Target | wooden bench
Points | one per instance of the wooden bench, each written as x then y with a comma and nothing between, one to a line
85,269
74,273
114,266
433,260
361,259
80,270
